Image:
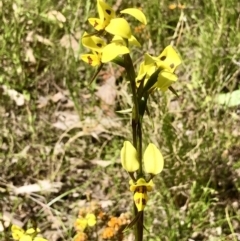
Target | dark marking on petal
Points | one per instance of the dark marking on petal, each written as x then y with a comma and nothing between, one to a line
163,58
95,24
90,60
99,45
108,11
171,66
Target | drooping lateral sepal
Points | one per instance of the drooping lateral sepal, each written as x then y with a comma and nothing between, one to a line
129,157
153,160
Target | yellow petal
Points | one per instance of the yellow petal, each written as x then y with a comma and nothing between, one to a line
91,218
81,224
91,222
93,42
17,232
131,41
141,74
170,57
26,237
134,41
39,239
150,185
136,13
91,59
97,23
118,40
141,69
112,50
153,159
148,64
119,26
165,79
106,13
129,158
163,65
32,231
147,68
149,60
140,183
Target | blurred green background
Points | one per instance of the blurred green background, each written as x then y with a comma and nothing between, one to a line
56,128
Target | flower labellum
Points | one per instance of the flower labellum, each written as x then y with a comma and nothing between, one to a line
140,189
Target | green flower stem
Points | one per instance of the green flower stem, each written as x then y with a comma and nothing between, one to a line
135,112
136,123
137,135
139,147
139,224
140,227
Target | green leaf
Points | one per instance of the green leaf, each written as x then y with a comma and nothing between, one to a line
96,74
151,81
143,104
229,99
126,111
119,61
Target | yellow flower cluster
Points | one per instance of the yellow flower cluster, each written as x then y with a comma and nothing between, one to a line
82,222
86,218
109,25
28,235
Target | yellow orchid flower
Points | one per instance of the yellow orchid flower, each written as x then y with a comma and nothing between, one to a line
168,61
140,189
117,26
129,157
28,235
153,160
101,52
